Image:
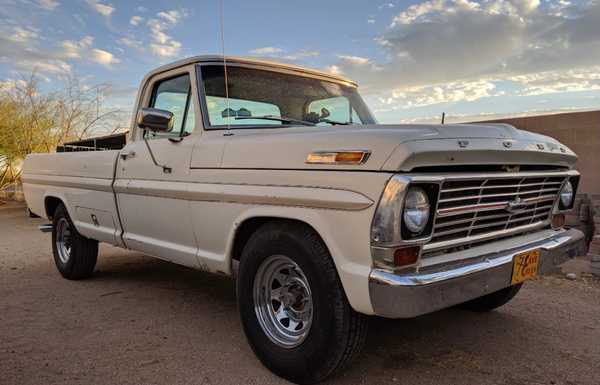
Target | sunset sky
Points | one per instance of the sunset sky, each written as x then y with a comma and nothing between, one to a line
413,60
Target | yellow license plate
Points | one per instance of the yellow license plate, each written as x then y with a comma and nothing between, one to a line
525,266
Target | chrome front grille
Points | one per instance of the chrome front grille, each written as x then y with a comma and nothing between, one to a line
476,210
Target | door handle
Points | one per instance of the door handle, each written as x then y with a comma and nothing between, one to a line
125,155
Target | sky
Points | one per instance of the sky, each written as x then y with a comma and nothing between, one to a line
413,60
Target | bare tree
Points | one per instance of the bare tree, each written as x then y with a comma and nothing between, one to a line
35,121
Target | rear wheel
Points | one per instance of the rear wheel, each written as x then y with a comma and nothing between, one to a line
74,255
493,300
292,305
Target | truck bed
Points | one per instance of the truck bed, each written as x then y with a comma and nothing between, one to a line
84,181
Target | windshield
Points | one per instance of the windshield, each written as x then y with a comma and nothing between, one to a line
262,98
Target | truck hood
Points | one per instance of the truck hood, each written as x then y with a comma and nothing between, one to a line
395,147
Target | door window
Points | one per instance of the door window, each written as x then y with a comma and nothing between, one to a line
222,111
336,109
175,95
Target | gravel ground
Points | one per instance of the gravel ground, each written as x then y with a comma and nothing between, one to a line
144,321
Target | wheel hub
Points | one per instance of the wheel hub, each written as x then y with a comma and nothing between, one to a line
63,240
283,301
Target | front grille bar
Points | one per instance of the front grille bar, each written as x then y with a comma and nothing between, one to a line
430,247
496,195
502,186
488,206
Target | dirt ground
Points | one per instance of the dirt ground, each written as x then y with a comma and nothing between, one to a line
144,321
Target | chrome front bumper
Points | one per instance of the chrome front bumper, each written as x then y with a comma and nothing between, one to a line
398,295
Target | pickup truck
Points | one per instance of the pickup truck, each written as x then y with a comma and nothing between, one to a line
281,177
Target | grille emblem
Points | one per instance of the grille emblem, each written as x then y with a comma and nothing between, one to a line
516,206
507,144
463,143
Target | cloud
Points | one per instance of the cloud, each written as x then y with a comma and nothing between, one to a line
442,93
279,53
11,84
102,57
23,34
550,82
131,43
75,49
136,20
21,47
83,50
266,51
27,50
172,17
163,45
454,43
354,60
103,9
49,5
386,6
53,66
299,55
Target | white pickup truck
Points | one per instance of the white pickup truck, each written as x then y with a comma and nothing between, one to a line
281,177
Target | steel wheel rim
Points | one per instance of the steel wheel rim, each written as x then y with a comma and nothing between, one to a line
63,240
283,301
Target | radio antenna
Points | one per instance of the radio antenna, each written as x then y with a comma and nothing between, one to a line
224,58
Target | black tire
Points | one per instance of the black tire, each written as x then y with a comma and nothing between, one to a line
337,333
493,300
83,253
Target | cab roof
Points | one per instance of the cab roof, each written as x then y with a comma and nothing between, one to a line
243,60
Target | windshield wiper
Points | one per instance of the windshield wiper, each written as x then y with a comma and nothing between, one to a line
334,122
276,118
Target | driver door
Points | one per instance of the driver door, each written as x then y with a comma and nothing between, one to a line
151,178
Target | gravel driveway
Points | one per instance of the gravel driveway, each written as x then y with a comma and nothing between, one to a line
144,321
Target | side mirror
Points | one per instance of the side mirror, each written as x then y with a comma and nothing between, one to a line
155,119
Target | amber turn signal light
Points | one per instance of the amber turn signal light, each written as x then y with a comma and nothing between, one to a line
338,157
558,220
406,256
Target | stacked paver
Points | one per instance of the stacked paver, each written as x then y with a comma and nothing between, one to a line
581,216
594,249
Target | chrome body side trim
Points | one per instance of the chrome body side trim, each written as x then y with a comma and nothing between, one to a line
313,197
397,295
96,184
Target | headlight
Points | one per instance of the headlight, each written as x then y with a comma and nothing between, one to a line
403,214
416,210
566,195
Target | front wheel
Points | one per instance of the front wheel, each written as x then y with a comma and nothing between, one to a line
292,305
74,255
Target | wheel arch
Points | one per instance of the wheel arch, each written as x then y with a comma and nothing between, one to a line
51,203
252,224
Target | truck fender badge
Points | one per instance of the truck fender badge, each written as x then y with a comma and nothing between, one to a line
463,143
516,206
